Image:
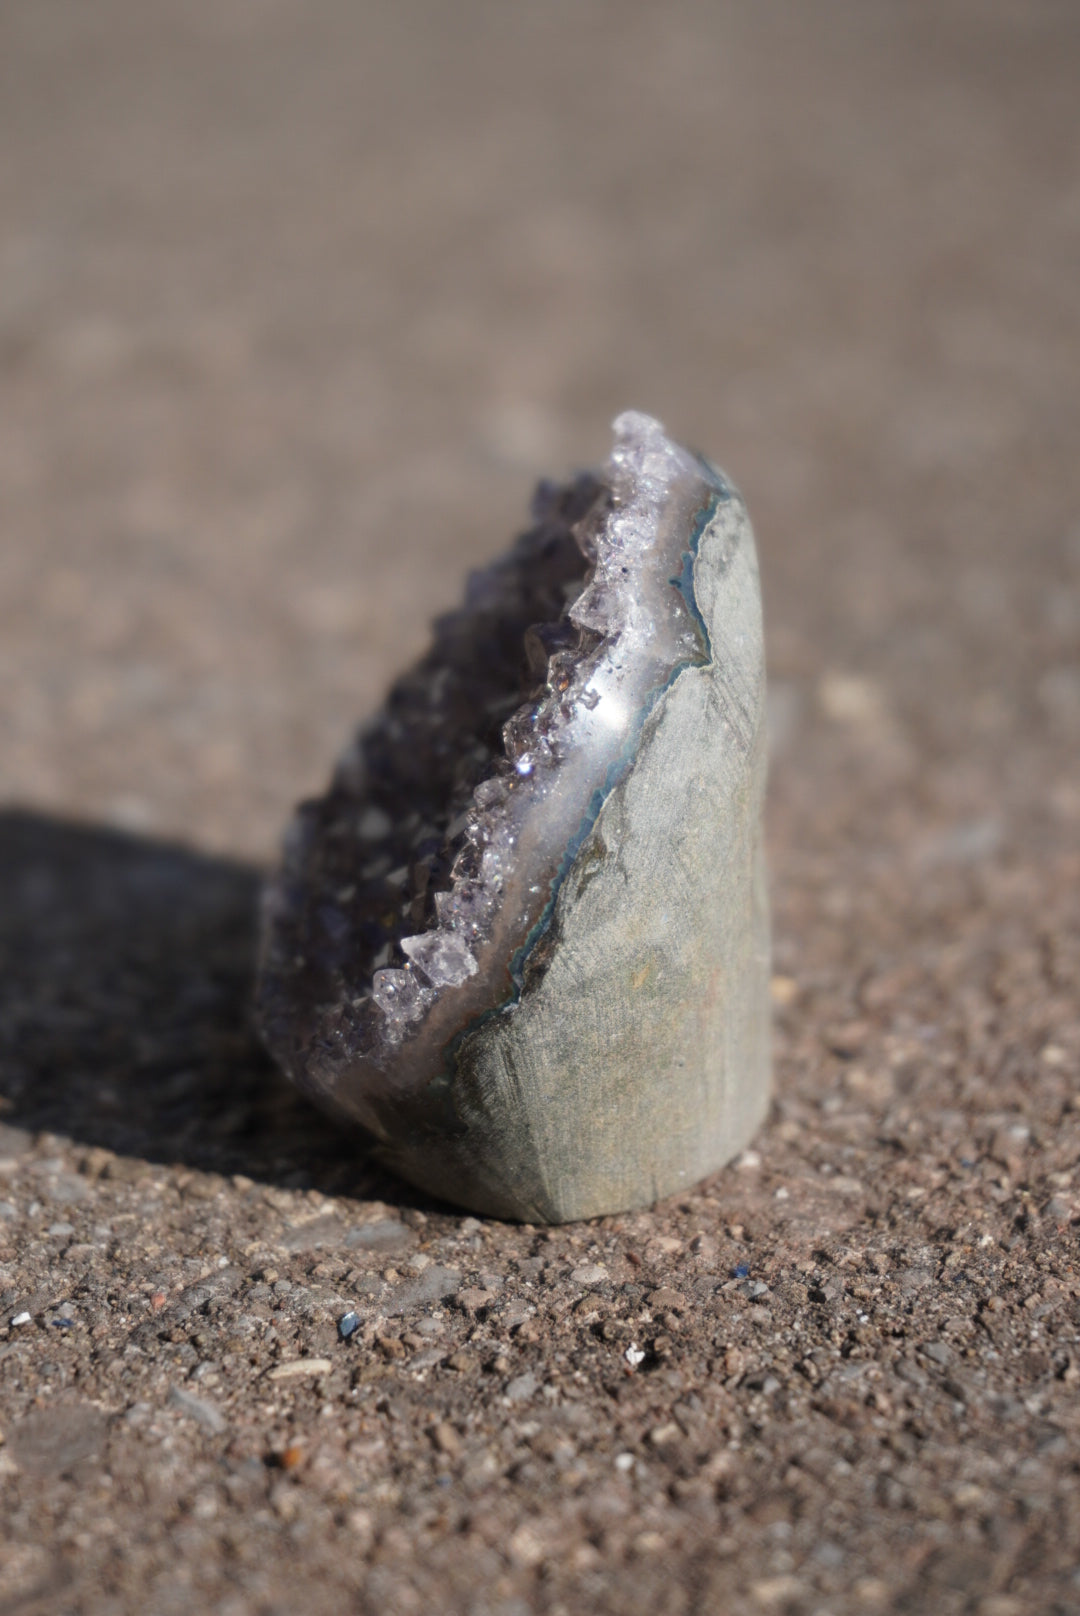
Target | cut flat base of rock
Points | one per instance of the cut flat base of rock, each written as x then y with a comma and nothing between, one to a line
523,938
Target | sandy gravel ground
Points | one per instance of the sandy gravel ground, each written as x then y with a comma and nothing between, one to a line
295,302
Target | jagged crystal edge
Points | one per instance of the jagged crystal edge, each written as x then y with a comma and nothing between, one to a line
643,465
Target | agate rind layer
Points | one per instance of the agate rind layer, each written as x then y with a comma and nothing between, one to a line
582,1025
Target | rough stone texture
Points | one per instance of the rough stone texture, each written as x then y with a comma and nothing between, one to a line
295,302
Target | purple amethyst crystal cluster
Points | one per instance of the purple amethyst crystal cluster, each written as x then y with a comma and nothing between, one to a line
432,900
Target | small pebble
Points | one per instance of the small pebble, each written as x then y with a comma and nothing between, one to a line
472,1300
446,1438
21,1318
427,1359
634,1355
348,1324
589,1274
300,1366
206,1414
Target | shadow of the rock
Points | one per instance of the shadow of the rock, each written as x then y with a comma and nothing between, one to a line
125,993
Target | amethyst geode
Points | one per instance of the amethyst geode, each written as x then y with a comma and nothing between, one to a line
523,938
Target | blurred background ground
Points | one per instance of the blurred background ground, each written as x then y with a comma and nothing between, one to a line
296,301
